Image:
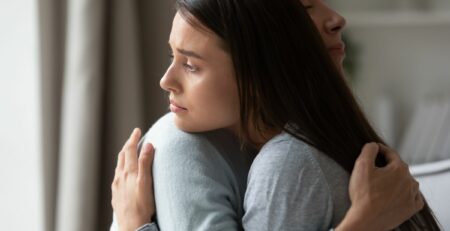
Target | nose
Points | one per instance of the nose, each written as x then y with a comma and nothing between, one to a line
335,22
169,82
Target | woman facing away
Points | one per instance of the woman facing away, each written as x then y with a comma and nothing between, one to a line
260,70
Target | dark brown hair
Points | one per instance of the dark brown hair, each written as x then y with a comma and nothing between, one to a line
287,80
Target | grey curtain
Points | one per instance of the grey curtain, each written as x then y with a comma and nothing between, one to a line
101,62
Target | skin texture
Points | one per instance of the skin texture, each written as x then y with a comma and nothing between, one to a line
381,196
202,89
204,97
133,207
330,25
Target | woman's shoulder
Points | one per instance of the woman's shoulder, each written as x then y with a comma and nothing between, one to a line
286,184
285,158
286,149
304,170
287,155
164,135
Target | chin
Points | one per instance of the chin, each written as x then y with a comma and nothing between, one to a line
190,126
199,125
339,63
184,126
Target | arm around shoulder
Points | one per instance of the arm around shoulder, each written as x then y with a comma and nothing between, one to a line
195,186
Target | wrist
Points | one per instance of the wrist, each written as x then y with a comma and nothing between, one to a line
133,225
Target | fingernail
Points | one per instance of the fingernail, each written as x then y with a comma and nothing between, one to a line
147,147
134,132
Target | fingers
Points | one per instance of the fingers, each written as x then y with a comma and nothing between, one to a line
130,149
390,155
146,161
417,195
120,161
369,154
415,187
419,202
394,162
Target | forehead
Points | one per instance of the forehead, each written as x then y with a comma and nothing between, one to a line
186,36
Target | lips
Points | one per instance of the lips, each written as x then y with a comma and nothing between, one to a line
177,105
174,107
340,47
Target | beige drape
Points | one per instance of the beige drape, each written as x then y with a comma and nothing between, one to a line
101,64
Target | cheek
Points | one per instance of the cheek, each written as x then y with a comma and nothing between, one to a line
221,102
214,105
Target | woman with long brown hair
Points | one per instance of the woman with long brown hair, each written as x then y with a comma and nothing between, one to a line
260,69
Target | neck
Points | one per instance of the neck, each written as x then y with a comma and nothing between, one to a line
260,139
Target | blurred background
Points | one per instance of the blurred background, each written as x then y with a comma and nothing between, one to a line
76,76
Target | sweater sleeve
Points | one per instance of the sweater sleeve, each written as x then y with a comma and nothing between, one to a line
199,179
287,191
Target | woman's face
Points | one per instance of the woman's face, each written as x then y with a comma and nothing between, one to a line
200,80
330,25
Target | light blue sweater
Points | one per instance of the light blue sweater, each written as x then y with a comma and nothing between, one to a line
200,181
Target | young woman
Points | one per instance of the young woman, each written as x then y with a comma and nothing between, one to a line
265,75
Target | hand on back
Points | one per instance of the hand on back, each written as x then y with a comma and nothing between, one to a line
382,198
132,189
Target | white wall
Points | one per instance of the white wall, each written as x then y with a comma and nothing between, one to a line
404,54
20,174
407,63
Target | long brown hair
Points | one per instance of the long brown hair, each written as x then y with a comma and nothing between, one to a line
285,76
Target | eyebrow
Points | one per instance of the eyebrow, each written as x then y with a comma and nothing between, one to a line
189,53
